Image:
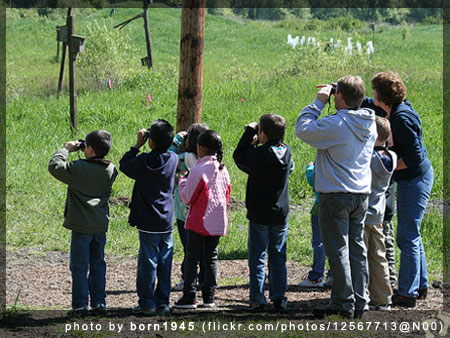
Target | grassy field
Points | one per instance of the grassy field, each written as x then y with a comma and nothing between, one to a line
248,70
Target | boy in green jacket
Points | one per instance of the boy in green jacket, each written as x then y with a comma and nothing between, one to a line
87,215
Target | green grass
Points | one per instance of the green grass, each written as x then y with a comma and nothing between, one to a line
242,60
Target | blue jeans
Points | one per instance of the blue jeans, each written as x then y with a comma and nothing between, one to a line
341,218
88,267
154,261
412,198
318,252
272,238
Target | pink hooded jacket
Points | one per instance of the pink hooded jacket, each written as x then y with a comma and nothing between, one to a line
207,190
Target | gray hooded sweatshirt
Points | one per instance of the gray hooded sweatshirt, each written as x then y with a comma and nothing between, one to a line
381,177
344,143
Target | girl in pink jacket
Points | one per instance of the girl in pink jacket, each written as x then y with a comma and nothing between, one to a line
207,190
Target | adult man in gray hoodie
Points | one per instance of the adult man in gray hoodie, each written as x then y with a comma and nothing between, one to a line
344,143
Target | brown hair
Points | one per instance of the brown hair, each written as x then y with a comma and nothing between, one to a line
383,129
390,88
273,126
352,90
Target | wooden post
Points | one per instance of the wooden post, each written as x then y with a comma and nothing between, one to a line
72,73
191,64
147,36
63,59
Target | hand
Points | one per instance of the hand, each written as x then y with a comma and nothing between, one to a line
253,125
140,138
182,133
255,140
72,146
324,93
310,163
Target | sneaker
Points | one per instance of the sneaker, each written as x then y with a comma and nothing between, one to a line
163,310
280,304
140,310
328,310
383,307
257,307
208,300
328,281
403,301
179,286
185,303
308,283
98,310
80,312
423,293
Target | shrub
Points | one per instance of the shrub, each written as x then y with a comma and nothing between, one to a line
107,56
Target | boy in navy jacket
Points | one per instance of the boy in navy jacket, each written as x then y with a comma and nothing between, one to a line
152,213
267,200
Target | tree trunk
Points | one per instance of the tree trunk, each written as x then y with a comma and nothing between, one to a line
191,64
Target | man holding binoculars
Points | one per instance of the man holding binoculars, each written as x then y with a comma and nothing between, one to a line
344,143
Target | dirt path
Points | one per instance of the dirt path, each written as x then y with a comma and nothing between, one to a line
42,281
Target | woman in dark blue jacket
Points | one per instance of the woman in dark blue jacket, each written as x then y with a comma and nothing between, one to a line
414,177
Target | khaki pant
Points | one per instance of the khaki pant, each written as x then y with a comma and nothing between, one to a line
380,291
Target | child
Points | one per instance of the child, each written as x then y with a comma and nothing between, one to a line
151,211
382,167
185,145
207,190
267,200
87,215
314,279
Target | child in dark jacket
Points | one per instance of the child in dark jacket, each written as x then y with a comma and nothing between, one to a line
207,191
87,215
151,211
267,200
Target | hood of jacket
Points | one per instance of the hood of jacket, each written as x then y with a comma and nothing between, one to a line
358,121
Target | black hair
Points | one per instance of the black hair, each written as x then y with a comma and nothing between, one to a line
213,142
274,126
192,136
100,141
161,133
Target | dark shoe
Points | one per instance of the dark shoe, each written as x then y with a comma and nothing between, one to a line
146,311
185,302
423,293
257,307
328,310
81,312
98,310
403,301
280,304
358,314
163,310
208,299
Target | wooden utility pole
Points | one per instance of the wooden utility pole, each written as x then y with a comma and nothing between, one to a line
148,42
72,74
64,52
191,64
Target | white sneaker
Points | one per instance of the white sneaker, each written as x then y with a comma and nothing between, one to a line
179,286
328,281
384,307
307,283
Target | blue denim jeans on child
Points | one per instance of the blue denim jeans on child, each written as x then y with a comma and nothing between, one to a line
273,239
412,198
154,260
87,263
341,218
318,252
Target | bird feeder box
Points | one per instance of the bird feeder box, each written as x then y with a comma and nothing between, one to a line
77,43
61,33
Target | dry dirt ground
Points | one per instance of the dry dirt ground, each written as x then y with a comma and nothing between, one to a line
42,281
